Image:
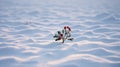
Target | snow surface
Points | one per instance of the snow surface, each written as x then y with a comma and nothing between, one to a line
27,28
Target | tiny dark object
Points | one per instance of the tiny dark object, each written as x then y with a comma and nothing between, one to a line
70,39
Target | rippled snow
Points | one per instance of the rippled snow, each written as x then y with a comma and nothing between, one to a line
27,27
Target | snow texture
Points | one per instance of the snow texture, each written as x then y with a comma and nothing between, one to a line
27,28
